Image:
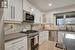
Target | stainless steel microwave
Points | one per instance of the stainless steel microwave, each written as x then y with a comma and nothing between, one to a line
28,17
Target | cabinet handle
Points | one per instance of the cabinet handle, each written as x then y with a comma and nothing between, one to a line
20,48
12,12
18,41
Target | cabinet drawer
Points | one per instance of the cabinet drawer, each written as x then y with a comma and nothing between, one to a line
20,40
18,47
15,47
17,44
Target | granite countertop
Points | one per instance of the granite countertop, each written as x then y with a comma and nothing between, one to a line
13,36
57,30
63,30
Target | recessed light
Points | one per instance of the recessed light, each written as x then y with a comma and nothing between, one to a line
50,4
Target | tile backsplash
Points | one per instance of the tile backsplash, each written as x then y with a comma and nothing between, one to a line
14,28
37,27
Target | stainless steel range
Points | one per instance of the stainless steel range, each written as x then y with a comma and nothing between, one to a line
33,39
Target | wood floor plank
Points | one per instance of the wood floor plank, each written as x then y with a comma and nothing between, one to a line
49,45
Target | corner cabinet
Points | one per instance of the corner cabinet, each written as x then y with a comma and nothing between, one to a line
17,44
14,11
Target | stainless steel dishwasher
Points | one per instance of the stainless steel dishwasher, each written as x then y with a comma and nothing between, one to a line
69,41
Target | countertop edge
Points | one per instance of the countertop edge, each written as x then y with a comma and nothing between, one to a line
59,30
13,36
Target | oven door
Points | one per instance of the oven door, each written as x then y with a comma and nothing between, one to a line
34,42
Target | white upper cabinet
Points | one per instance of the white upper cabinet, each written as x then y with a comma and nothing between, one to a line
48,18
7,11
38,16
26,5
18,10
45,19
14,11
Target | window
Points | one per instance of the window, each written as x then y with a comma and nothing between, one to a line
70,19
59,20
65,18
70,16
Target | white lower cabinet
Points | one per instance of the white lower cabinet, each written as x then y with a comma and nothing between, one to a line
9,47
17,44
46,35
43,36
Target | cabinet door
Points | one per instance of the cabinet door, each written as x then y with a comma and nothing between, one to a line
7,11
18,9
46,33
10,47
41,37
36,20
14,11
38,16
18,44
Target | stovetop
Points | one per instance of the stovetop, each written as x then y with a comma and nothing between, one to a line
29,31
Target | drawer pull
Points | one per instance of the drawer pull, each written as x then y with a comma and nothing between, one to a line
21,48
18,41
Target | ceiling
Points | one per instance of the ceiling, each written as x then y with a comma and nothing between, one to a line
43,4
